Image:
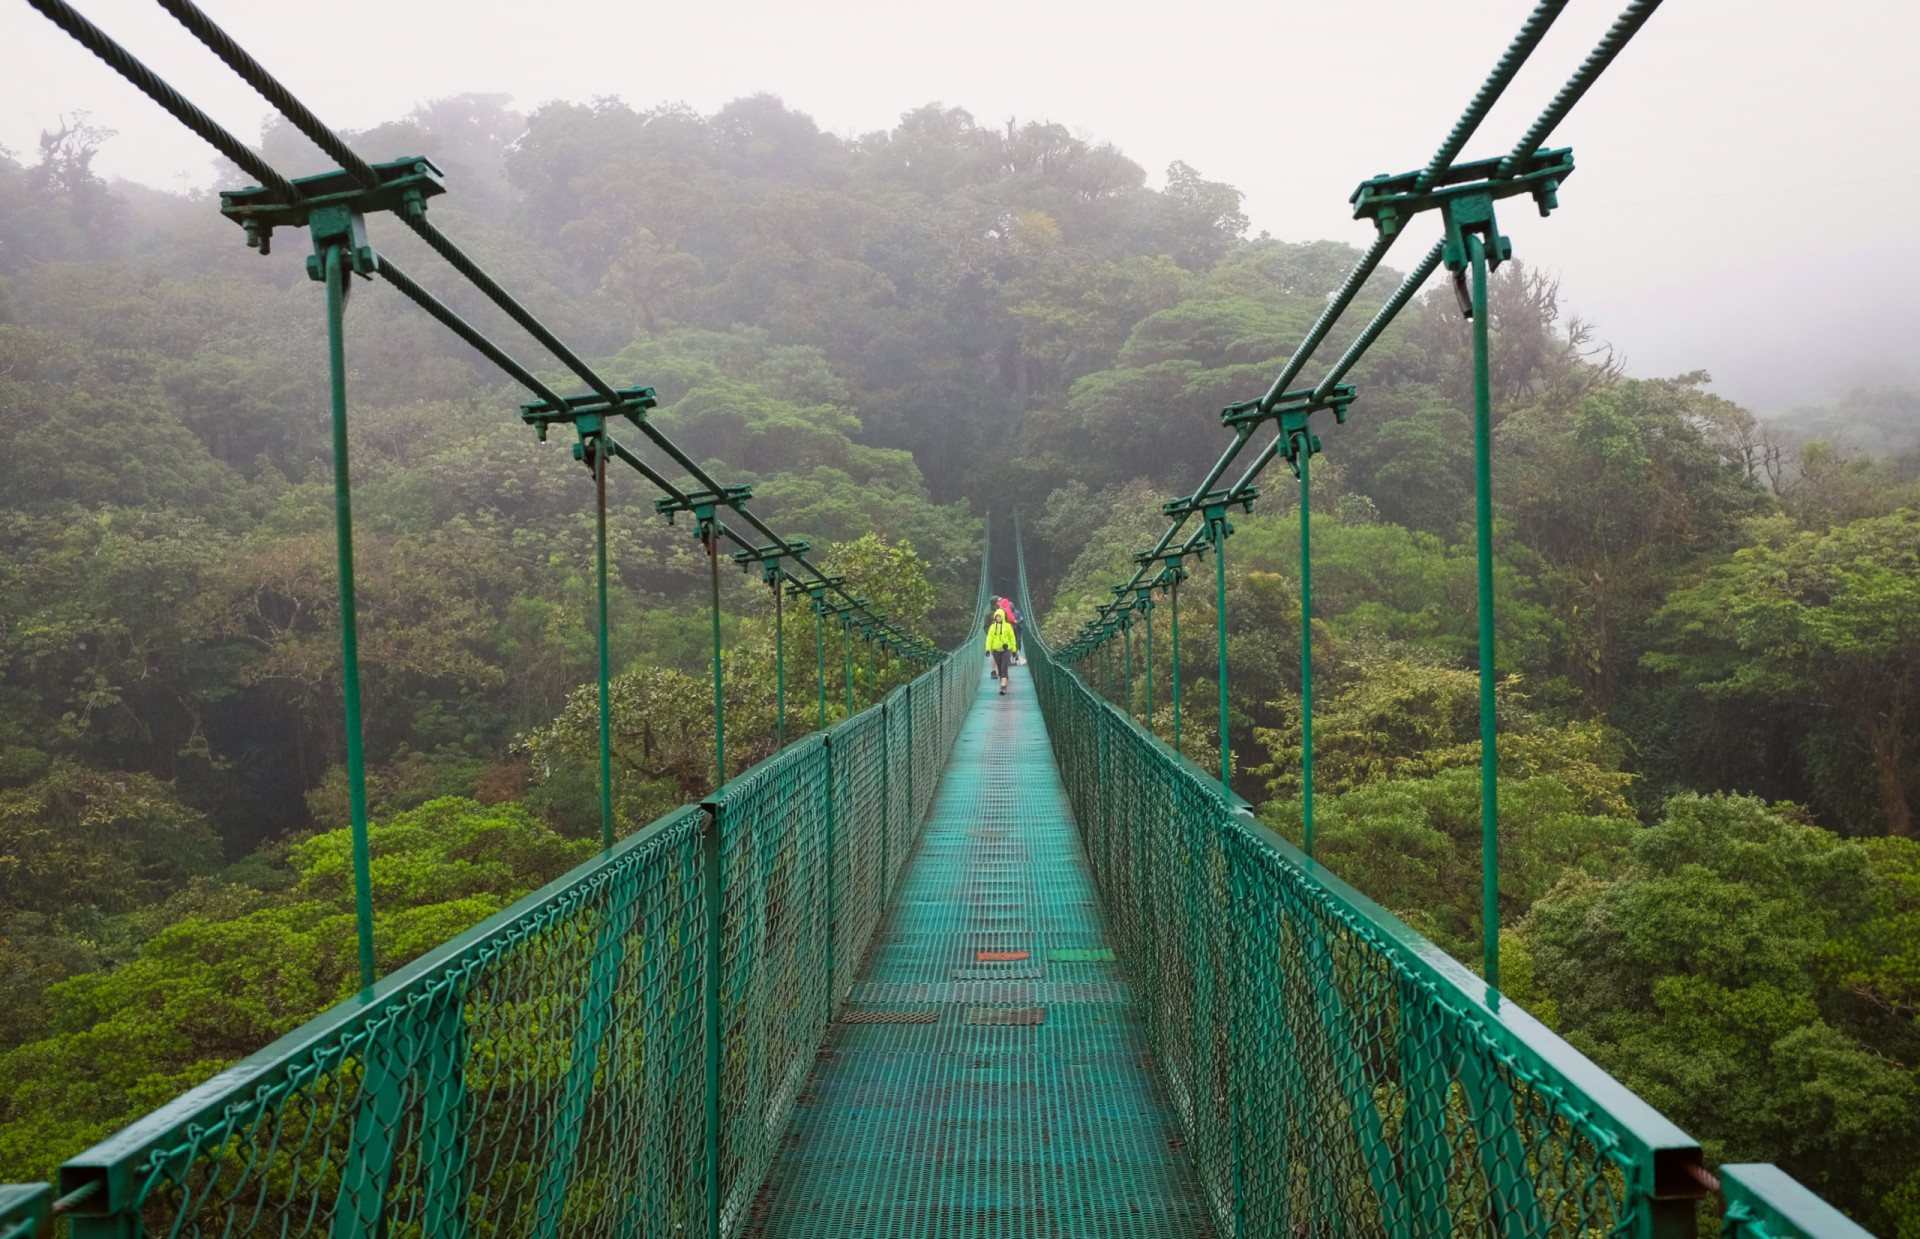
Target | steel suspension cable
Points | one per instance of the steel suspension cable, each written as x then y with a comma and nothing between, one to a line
123,62
1623,29
466,331
1381,320
1531,32
335,147
253,74
1349,289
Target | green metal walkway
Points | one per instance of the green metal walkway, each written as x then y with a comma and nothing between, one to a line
679,1038
962,1094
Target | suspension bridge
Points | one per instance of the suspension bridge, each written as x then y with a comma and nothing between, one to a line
958,964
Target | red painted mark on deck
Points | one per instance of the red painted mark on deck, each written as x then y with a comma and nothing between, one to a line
999,957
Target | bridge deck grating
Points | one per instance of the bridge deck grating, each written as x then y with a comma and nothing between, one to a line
968,1126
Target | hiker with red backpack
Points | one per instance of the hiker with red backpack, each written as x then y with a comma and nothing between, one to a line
1005,607
1000,643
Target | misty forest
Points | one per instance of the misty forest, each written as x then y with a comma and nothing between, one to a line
1709,621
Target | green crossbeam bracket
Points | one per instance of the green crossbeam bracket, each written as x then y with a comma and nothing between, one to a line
1291,409
333,204
1213,505
817,591
1392,200
589,413
1171,556
1292,412
1464,196
704,504
26,1210
769,557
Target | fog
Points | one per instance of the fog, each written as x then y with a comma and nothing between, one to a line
1740,203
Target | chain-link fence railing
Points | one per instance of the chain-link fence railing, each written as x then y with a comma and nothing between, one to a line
616,1054
1335,1073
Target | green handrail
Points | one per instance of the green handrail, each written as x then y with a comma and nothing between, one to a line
1310,1040
685,953
1764,1202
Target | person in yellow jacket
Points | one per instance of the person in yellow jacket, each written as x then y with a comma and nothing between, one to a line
1000,643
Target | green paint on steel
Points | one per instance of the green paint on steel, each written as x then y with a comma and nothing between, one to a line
1483,543
1146,610
713,894
1334,1072
1219,529
779,662
1179,576
820,657
336,279
599,459
1081,955
719,666
959,1128
1306,645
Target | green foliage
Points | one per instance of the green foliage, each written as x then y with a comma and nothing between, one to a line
1397,717
1825,626
211,989
1718,976
881,335
662,716
889,574
1397,783
1883,419
78,838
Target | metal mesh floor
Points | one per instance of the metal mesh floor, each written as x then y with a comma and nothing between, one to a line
1026,1107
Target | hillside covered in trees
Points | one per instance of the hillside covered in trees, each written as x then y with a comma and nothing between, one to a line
1709,624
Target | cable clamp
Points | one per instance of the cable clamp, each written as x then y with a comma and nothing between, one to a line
405,185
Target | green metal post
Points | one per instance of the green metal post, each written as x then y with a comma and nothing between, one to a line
606,692
820,656
349,615
1147,611
1306,644
714,893
1176,662
779,664
719,672
833,876
1483,521
1221,529
1126,641
870,680
846,650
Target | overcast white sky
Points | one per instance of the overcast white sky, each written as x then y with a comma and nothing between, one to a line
1742,202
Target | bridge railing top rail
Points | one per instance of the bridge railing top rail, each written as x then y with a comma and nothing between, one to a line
1662,1163
115,1175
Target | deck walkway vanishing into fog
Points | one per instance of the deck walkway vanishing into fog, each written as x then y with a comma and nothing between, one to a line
990,1075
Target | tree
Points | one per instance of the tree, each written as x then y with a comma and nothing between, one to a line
209,989
1716,976
76,839
1826,623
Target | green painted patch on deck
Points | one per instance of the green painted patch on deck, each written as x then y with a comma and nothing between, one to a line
1081,955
